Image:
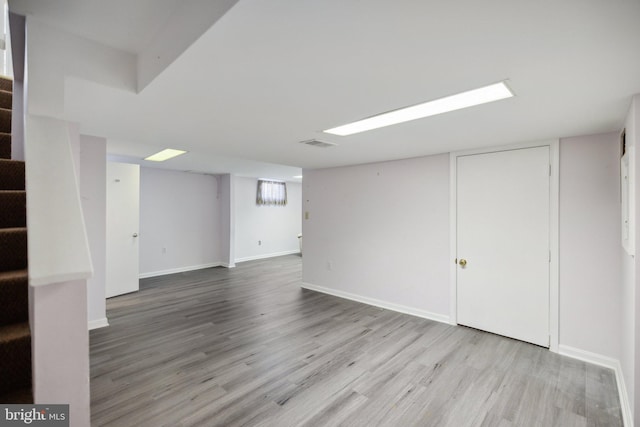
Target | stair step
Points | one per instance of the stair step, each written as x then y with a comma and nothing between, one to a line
13,249
6,99
6,84
15,354
13,211
5,120
20,396
5,145
14,297
11,175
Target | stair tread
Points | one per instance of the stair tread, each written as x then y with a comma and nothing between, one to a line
5,145
6,84
9,160
14,297
23,395
14,331
13,211
13,230
14,275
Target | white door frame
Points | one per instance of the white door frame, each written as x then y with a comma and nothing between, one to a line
554,154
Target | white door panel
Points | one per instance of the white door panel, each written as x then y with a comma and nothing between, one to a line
123,218
503,234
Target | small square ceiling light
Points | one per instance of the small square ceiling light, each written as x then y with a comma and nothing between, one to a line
165,154
483,95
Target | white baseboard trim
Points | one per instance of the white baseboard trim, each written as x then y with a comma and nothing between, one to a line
275,254
98,323
179,270
378,303
227,265
607,362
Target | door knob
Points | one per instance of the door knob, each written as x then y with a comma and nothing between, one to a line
135,234
463,263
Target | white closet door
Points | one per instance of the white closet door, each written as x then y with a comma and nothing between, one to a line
503,243
123,220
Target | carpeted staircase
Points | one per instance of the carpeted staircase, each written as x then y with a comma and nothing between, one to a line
15,334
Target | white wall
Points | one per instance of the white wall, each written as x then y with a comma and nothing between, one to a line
381,232
630,304
93,196
634,120
227,224
60,345
179,221
276,227
53,55
590,245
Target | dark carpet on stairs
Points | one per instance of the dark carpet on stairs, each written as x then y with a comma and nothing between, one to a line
15,333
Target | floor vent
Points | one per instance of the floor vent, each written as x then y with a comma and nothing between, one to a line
318,143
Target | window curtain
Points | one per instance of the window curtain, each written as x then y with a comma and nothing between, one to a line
271,193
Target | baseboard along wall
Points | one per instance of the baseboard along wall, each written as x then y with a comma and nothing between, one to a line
379,303
181,269
264,256
212,264
98,323
607,362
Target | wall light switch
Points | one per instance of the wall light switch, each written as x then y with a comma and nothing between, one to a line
306,215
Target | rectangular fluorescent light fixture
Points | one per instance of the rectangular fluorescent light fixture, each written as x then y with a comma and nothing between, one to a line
298,176
163,155
483,95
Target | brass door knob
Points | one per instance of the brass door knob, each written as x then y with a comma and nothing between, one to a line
463,263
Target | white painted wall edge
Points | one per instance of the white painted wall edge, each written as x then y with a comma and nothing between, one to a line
58,247
275,254
607,362
98,323
378,303
58,278
179,270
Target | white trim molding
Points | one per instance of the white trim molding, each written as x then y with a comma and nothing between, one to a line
607,362
273,255
98,323
554,157
179,270
378,303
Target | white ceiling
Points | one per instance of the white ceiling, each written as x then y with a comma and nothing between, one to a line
122,24
271,73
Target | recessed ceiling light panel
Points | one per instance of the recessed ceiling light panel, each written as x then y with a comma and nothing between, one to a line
165,154
483,95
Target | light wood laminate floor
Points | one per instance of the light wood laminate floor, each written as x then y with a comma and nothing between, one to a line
248,346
